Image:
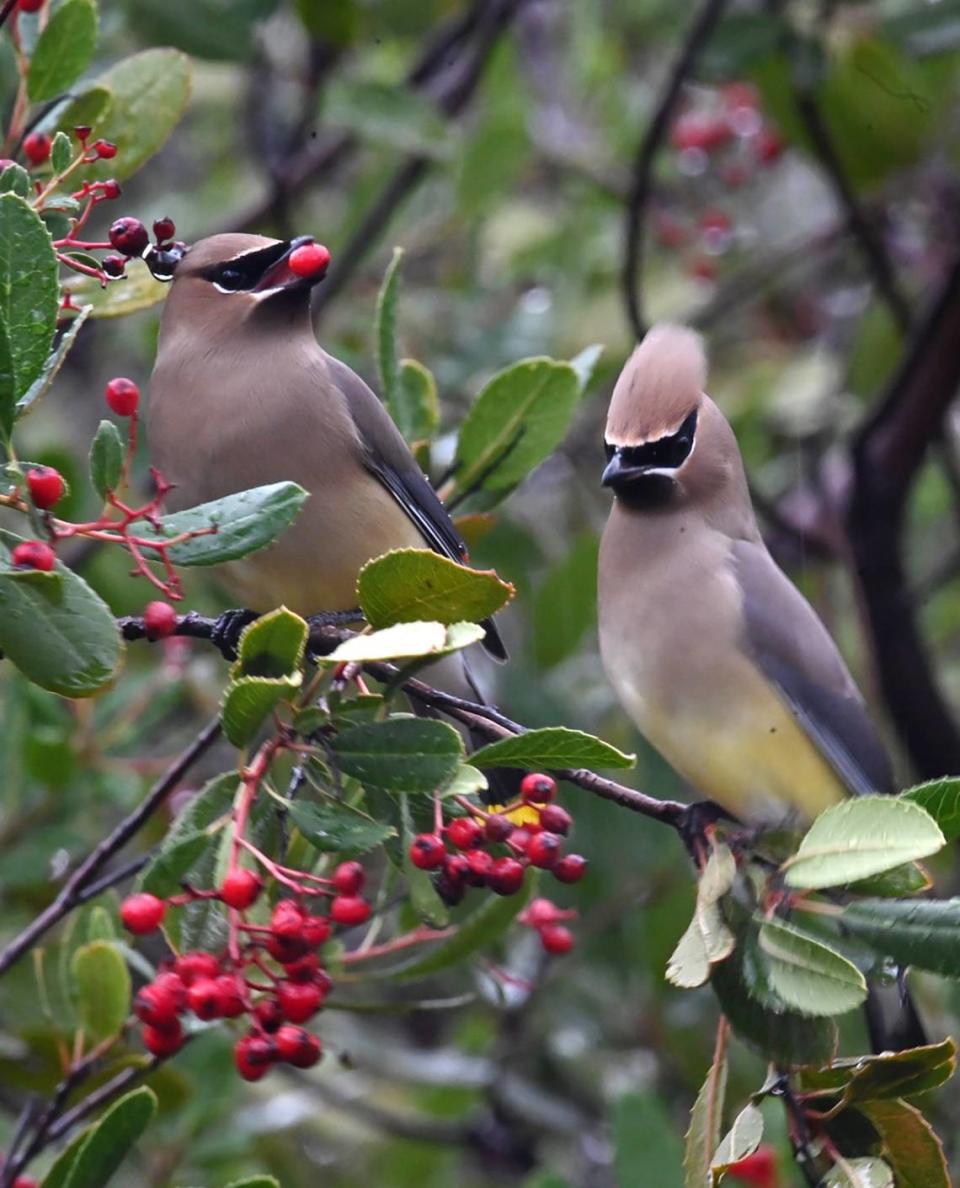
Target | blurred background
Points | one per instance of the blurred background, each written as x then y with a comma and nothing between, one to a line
559,174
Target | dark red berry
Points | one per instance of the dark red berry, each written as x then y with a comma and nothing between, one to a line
555,819
33,554
298,1001
316,929
769,146
192,966
287,919
349,878
695,131
164,229
497,827
451,891
570,869
543,849
286,948
163,1041
30,5
455,867
303,969
114,265
142,913
537,788
46,486
111,188
427,851
506,876
480,864
311,259
464,833
123,396
268,1013
105,150
203,998
241,887
36,147
556,939
129,236
230,1004
159,620
297,1046
253,1055
349,909
82,132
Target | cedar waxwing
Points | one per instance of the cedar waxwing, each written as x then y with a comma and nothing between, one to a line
720,661
242,395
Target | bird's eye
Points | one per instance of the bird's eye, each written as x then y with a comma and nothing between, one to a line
230,278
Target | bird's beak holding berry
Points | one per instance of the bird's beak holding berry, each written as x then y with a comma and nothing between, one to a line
302,265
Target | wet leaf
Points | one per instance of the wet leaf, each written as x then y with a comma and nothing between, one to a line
551,747
808,975
411,585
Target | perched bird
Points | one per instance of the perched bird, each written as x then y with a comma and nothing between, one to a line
720,661
243,395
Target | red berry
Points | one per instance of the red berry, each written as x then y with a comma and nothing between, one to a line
268,1013
114,265
451,891
570,869
30,5
703,268
171,987
241,887
556,939
455,867
105,150
123,396
297,1046
304,969
46,486
128,236
160,620
230,1004
203,998
163,1041
670,231
298,1001
740,94
694,131
497,827
555,818
758,1169
543,849
33,554
309,260
82,132
154,1008
26,1181
540,912
536,788
192,966
287,920
464,833
286,948
253,1055
37,147
427,851
480,864
164,229
142,913
111,188
316,929
768,146
349,909
519,839
349,878
506,876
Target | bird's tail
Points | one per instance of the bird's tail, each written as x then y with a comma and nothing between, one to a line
893,1021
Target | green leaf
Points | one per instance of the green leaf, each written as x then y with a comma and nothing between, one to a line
584,363
60,634
56,1177
565,606
212,29
412,585
395,117
741,1140
336,23
517,420
255,1182
271,646
110,1140
478,931
100,926
60,153
14,179
401,755
387,335
165,873
862,837
137,290
150,93
106,458
551,747
29,299
249,700
865,1172
908,879
90,107
44,381
703,1133
334,828
923,932
910,1144
808,975
63,51
245,522
407,640
101,984
941,799
707,939
416,404
887,1075
647,1148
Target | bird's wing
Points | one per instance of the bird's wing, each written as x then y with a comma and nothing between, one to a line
794,651
388,458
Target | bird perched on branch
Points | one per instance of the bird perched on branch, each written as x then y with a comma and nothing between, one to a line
720,661
243,395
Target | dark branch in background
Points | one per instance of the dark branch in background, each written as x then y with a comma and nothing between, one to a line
71,894
887,456
641,182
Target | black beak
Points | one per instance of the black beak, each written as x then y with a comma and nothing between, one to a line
618,470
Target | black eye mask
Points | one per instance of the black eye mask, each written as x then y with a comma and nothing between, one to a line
245,272
667,453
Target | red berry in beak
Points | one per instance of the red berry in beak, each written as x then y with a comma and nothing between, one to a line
309,260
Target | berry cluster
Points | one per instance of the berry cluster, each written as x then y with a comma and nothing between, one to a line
494,849
271,975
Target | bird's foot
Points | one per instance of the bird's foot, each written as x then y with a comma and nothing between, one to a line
228,628
694,830
339,618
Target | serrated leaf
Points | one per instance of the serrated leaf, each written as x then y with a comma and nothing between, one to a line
135,291
866,1172
60,153
808,975
400,755
101,983
703,1133
249,700
551,747
106,458
941,799
109,1141
887,1075
405,641
387,334
44,381
862,837
14,179
245,522
413,585
923,932
515,423
271,646
60,634
910,1145
63,51
707,939
741,1140
335,828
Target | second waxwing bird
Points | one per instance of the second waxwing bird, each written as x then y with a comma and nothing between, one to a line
717,657
243,395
